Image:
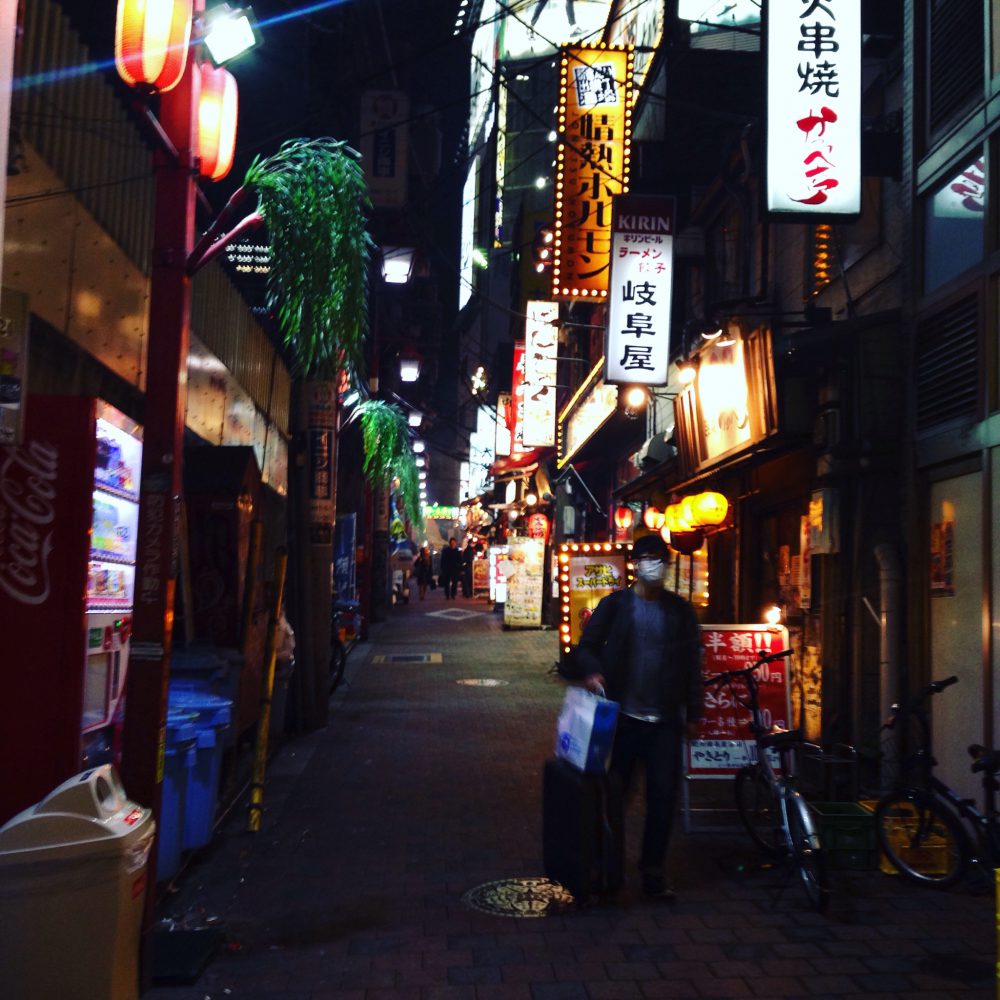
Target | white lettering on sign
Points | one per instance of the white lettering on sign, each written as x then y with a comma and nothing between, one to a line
149,586
644,224
27,513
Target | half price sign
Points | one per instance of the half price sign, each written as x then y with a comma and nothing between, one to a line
725,742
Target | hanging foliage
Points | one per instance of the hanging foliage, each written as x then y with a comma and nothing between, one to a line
389,454
314,201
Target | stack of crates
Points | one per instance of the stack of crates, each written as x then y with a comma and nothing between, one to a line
847,833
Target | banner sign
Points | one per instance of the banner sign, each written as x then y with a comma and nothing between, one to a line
524,571
321,407
814,107
595,112
541,336
637,340
584,414
385,116
503,428
588,572
517,402
725,742
641,26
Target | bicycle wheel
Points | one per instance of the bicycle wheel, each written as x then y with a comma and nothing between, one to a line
806,852
338,660
921,837
758,809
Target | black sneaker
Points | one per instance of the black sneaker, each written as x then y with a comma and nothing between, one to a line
657,887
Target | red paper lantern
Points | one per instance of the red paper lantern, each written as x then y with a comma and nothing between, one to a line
538,527
623,518
217,112
653,518
151,42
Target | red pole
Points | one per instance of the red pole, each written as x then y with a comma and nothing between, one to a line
163,428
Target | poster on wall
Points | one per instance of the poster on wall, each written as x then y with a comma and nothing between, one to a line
725,742
943,559
480,577
524,570
587,577
345,539
322,430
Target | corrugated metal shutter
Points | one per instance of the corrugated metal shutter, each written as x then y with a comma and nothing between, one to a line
955,59
947,379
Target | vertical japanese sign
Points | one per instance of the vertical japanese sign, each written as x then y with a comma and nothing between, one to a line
637,341
503,427
541,336
385,145
524,571
814,107
322,436
595,129
517,402
725,742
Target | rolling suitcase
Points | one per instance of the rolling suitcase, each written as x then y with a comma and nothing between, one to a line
582,831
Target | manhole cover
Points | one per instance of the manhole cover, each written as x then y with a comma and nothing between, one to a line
454,614
407,658
483,682
519,897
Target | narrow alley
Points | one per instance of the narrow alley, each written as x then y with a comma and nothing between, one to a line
427,784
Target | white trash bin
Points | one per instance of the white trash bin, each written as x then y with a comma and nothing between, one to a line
72,885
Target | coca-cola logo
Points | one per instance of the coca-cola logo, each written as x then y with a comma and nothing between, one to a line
27,516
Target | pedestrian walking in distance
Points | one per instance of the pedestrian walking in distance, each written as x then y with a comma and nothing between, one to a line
451,569
422,570
643,646
468,555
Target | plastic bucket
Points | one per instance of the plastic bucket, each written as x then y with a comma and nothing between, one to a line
211,717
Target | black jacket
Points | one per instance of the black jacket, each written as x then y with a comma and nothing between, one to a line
451,563
605,647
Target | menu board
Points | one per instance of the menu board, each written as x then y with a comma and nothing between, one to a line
592,576
480,576
725,742
524,569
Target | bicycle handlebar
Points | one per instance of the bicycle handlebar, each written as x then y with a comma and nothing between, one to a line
730,675
763,657
936,687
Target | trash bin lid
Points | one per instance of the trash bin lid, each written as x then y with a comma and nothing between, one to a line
181,726
88,814
211,709
196,659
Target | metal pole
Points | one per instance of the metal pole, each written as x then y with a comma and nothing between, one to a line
266,690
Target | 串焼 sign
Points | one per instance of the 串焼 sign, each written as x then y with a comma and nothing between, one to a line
813,107
642,252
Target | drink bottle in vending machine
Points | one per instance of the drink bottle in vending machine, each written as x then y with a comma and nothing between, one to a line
69,504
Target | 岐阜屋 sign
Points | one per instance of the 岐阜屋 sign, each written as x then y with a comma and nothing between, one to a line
813,107
637,341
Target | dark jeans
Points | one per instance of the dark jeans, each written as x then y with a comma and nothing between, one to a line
658,746
450,586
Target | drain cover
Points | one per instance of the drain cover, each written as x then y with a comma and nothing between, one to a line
519,897
407,658
483,682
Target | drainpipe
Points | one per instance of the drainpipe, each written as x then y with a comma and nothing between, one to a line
890,577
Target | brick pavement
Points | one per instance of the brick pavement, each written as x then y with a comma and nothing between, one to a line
422,788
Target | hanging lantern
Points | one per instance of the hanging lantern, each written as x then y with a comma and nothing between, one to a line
687,511
710,508
623,518
652,517
665,534
675,521
151,42
217,111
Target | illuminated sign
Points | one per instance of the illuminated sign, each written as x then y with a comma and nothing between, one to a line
503,427
584,414
641,26
533,28
592,165
541,337
468,234
814,107
637,342
484,54
720,14
588,572
501,161
442,511
724,399
517,402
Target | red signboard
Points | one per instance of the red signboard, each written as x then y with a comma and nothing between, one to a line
725,743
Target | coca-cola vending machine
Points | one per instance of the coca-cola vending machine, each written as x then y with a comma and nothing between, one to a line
69,515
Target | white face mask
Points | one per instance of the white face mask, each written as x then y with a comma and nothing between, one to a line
650,571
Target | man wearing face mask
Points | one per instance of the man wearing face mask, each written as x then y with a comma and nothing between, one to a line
643,646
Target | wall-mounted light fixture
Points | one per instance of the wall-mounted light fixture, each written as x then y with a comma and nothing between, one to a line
397,264
229,32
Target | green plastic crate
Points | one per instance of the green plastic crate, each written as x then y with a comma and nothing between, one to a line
847,833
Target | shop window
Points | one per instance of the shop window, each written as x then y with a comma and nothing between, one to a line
954,225
688,576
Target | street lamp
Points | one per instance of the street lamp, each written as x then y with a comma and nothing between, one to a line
229,33
397,264
409,365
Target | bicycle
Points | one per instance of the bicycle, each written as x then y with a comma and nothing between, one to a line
920,826
339,611
773,811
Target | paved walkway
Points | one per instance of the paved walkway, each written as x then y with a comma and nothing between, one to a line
423,787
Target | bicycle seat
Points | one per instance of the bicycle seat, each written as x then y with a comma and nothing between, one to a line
781,738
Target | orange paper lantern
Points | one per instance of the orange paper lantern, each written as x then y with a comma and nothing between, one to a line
710,508
151,42
217,113
652,517
623,518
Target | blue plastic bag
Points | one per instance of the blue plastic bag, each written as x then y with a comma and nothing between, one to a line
585,732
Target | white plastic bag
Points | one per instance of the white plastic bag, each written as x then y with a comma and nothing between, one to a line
585,732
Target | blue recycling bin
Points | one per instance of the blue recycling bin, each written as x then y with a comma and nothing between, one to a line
211,717
180,759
